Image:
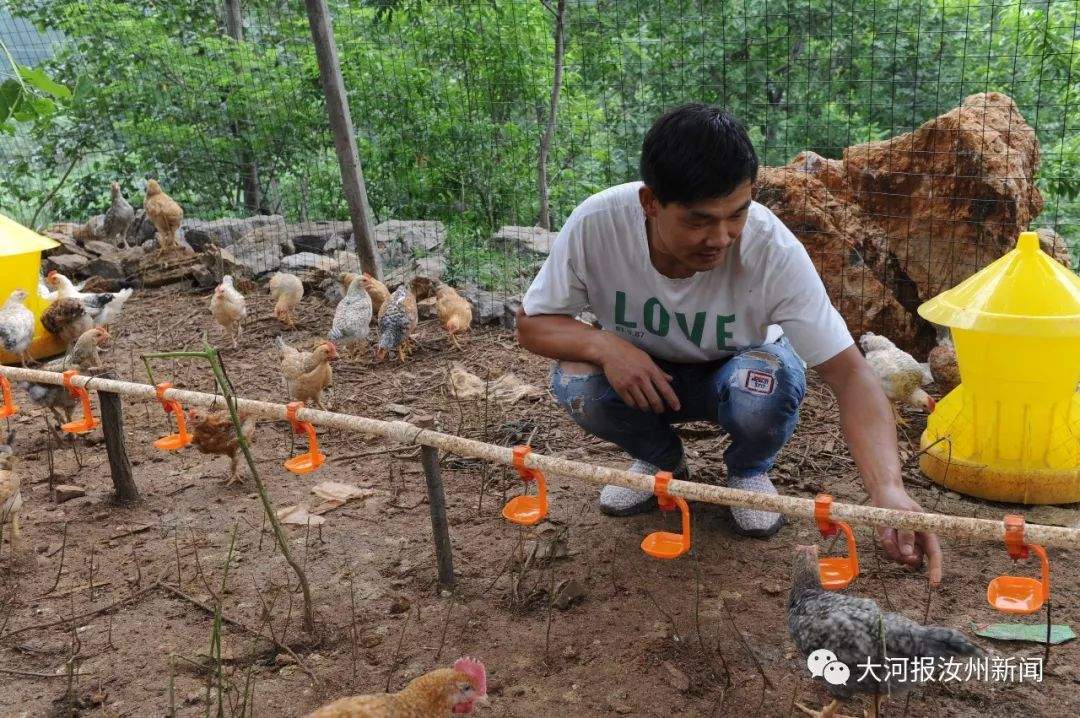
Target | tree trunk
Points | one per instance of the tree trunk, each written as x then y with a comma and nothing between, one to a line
337,110
544,218
249,168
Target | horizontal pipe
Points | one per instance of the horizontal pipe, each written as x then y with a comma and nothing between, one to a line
404,432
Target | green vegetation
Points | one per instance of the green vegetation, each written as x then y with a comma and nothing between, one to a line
450,99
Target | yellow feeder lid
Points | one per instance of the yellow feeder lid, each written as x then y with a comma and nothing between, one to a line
1025,293
17,239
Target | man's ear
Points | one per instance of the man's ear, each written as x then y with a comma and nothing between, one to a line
649,203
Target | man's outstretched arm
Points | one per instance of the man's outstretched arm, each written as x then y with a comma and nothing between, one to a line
869,427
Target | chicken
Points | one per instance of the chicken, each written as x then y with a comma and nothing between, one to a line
397,319
287,290
377,291
352,317
856,632
90,285
165,214
10,494
439,694
111,311
307,374
69,318
212,432
83,356
901,376
455,314
228,308
118,218
17,326
943,365
66,290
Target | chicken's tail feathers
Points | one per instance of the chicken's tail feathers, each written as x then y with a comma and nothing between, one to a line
940,642
335,334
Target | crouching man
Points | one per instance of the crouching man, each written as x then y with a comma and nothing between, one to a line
710,311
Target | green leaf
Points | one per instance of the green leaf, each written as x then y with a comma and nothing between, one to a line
36,77
10,94
1028,632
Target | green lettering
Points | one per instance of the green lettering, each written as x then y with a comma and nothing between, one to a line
650,307
699,327
722,334
620,311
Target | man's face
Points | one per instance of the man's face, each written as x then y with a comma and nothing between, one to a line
695,237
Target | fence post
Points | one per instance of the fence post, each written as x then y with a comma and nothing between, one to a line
337,109
440,527
112,426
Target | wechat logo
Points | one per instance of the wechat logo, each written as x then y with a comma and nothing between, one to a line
823,664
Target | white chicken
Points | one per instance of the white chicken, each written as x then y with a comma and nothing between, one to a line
352,317
17,326
901,376
65,289
228,308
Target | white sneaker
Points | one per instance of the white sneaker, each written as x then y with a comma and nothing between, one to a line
621,501
754,522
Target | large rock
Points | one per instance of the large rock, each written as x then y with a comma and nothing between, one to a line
1054,244
525,239
398,241
320,237
896,222
308,260
226,231
67,264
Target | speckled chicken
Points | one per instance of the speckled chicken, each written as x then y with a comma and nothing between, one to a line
397,320
943,365
377,291
228,308
307,374
212,432
118,218
901,376
442,693
83,356
455,314
857,632
17,326
69,318
11,500
165,214
287,290
352,317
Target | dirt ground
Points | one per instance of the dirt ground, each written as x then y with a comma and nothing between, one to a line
702,635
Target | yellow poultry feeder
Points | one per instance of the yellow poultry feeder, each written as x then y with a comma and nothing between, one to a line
1011,430
20,267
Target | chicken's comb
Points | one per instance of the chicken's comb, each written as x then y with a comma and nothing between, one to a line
476,672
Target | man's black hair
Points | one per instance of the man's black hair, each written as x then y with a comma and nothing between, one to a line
696,152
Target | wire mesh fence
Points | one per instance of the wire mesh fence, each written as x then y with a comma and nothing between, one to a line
897,187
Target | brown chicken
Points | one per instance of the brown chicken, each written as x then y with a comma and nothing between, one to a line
439,694
288,290
307,374
455,314
943,365
213,433
69,318
397,320
11,500
376,290
165,214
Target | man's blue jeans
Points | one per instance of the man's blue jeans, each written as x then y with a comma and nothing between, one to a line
754,396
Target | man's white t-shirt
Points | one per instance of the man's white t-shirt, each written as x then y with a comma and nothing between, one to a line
765,287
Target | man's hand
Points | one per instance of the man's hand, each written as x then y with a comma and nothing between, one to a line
908,547
636,378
